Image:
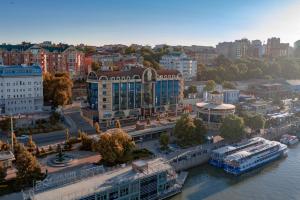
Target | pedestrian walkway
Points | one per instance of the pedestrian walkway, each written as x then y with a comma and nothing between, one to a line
76,121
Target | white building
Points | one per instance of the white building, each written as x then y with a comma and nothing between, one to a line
21,89
180,61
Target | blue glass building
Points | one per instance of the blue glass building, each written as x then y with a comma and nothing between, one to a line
134,91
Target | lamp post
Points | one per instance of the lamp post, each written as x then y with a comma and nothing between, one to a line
12,133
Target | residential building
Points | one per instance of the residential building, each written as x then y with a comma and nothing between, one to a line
181,62
231,96
134,91
202,54
297,49
256,49
116,59
275,48
51,58
240,48
271,90
21,89
225,49
234,50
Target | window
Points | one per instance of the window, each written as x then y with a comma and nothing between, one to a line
104,99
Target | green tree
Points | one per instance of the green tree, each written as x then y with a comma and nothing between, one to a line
54,118
5,124
228,85
115,146
255,122
28,169
210,85
200,71
189,131
164,141
232,128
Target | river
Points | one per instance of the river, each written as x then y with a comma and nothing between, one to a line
279,180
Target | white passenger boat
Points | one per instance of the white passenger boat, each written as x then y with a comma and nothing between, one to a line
254,157
218,155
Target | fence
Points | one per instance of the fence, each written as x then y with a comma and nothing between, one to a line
54,181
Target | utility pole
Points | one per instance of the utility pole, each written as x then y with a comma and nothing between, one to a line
12,133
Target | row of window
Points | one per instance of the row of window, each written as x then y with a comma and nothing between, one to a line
22,83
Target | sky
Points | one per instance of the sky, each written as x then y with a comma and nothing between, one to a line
148,22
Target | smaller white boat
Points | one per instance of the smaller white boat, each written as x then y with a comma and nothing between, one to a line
289,139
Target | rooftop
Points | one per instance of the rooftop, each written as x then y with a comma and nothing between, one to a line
293,82
6,155
212,106
103,181
20,70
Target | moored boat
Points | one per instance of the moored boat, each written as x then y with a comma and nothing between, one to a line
254,157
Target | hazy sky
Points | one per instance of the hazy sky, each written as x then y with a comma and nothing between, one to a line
97,22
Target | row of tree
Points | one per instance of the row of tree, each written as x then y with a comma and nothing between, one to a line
244,69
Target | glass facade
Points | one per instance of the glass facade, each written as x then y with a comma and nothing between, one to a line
135,94
166,92
93,95
116,96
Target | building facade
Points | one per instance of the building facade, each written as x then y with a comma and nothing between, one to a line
60,58
181,62
213,111
21,89
231,96
133,91
275,48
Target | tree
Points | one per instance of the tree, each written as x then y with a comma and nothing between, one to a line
200,71
232,128
5,124
148,121
189,131
118,124
54,118
210,85
57,88
164,141
228,85
3,173
28,169
255,122
86,142
97,127
115,146
95,66
31,146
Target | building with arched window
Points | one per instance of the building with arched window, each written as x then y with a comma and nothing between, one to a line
134,91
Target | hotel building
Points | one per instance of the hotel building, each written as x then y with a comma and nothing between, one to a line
134,91
21,89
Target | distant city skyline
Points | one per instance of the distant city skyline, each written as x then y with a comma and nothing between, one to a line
172,22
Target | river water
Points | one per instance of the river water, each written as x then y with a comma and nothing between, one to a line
279,180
